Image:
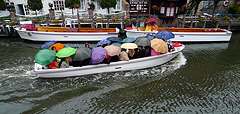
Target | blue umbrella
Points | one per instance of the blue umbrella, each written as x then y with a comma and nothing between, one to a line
102,42
48,44
117,44
114,39
150,37
128,40
218,15
166,35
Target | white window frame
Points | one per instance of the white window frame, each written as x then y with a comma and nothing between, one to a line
162,10
170,11
57,3
118,5
98,5
82,4
176,10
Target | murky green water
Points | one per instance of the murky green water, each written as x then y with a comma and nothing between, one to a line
204,78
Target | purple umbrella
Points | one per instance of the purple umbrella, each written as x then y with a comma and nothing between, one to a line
98,54
30,27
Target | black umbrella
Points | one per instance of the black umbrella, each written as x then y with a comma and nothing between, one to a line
114,39
143,41
82,53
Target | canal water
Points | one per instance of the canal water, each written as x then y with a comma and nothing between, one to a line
204,78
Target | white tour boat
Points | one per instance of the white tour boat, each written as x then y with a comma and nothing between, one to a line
187,34
67,34
139,63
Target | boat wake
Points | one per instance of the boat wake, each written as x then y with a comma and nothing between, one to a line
19,71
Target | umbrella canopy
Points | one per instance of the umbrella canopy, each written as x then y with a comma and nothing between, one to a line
102,42
98,54
150,37
113,50
45,56
143,41
159,45
48,44
166,35
151,20
117,44
82,53
129,46
58,46
114,39
128,40
66,52
30,27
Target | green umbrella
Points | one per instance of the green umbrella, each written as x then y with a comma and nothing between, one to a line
66,52
45,56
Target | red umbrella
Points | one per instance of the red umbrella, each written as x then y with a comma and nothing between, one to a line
30,27
151,20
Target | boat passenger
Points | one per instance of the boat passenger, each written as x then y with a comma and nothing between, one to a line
52,65
88,46
106,59
148,28
123,56
54,49
147,51
65,63
154,53
140,52
154,26
114,58
75,46
131,54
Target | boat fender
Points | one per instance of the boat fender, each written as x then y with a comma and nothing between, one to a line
177,44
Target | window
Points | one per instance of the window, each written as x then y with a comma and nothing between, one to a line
176,10
207,4
170,12
26,9
98,4
82,4
118,5
162,11
57,4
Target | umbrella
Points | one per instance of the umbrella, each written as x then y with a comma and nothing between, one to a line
151,20
102,42
128,40
114,39
30,27
113,50
82,53
45,56
166,35
117,44
129,46
65,52
98,54
159,45
143,41
58,46
48,44
150,37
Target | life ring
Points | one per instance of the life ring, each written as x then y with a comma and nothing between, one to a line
226,3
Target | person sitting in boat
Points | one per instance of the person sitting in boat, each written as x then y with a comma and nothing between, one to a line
132,54
154,27
75,46
148,27
114,58
140,52
106,59
88,46
65,63
54,49
53,65
147,51
124,56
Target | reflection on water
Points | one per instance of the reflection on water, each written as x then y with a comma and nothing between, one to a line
204,78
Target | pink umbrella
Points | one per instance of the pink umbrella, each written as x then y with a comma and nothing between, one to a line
30,27
151,20
113,50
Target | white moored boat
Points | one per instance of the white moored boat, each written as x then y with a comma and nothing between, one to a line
139,63
67,34
187,34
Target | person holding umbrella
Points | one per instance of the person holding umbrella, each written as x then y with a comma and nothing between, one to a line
123,55
65,63
154,27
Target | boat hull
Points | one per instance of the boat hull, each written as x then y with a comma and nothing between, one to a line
64,36
139,63
189,36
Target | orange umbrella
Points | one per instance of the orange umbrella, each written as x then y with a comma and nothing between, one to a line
159,45
113,50
58,46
